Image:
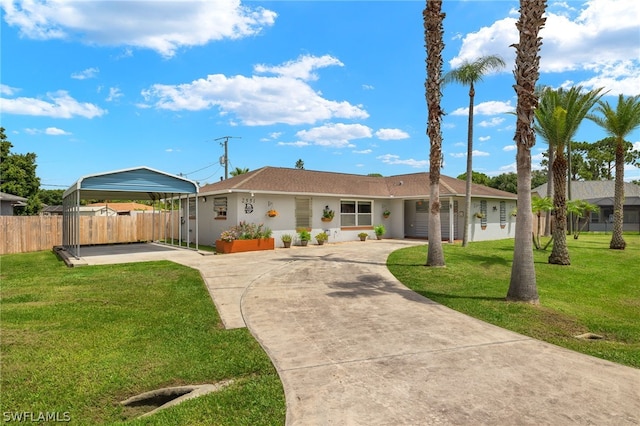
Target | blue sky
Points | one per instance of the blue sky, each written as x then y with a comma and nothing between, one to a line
94,86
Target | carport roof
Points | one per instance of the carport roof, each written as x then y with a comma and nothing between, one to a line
139,183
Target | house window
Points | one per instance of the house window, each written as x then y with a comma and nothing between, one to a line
356,213
483,210
595,216
303,213
220,207
503,214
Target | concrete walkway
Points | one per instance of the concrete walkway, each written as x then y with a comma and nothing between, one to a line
355,347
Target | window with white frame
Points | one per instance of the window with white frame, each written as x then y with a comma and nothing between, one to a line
356,213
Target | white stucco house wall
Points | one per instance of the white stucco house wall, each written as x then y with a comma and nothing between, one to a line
300,196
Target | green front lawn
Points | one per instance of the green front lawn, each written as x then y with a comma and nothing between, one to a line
599,293
80,340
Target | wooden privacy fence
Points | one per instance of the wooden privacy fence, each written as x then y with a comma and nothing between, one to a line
21,234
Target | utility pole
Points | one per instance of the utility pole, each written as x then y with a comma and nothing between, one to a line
226,153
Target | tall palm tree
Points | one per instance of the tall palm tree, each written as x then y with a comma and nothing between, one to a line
469,73
557,119
618,123
433,36
239,171
522,286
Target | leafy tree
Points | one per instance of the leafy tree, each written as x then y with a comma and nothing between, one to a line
468,74
596,161
238,171
477,178
375,175
557,119
51,197
18,175
522,285
300,164
505,182
433,34
618,123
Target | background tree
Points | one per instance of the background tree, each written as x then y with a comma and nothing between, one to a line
477,178
468,74
557,119
18,175
51,197
596,161
522,286
238,171
433,36
618,123
580,209
300,164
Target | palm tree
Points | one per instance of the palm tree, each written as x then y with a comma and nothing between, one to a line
618,123
238,171
433,33
557,119
470,73
540,206
522,286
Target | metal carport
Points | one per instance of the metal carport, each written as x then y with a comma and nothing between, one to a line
140,183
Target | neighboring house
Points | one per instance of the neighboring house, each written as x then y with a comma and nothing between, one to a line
601,193
96,211
300,196
125,209
51,211
8,202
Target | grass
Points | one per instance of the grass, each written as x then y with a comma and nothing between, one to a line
80,340
598,293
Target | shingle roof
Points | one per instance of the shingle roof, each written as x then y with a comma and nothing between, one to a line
310,182
10,197
595,190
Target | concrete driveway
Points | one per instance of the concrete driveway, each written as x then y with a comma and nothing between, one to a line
353,346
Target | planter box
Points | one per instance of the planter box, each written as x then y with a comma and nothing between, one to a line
238,246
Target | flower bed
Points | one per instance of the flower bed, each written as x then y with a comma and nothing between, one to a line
245,237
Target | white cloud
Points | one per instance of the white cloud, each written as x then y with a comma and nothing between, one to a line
474,153
61,106
337,135
395,160
600,37
391,134
164,28
636,146
54,131
297,144
114,94
487,108
8,90
85,74
484,138
495,121
367,87
255,100
510,148
301,68
364,151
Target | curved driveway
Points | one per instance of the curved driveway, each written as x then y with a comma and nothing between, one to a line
353,346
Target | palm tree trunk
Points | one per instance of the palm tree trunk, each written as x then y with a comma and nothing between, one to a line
522,286
433,29
617,240
547,224
467,196
560,252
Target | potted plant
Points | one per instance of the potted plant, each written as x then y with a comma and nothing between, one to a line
479,215
245,237
286,240
322,237
363,236
386,213
379,231
272,213
327,214
304,236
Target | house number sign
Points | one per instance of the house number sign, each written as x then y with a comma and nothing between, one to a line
248,204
